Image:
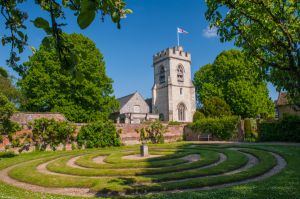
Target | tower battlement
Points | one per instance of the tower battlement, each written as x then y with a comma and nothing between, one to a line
175,52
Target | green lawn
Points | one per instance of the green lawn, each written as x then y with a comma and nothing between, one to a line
126,177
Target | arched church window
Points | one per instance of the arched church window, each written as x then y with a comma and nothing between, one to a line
162,75
181,112
180,72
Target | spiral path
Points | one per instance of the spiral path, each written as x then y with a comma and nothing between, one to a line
121,172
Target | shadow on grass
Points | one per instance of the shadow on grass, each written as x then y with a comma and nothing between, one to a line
162,162
7,155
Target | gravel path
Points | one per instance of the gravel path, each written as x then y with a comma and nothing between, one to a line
252,161
192,158
99,159
63,191
42,168
281,164
71,163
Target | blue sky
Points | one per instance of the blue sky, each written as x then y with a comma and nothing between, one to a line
128,51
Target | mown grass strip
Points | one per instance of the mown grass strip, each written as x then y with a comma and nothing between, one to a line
26,172
267,161
234,161
59,166
115,161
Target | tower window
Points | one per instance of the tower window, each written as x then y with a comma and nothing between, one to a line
180,72
162,75
180,91
181,112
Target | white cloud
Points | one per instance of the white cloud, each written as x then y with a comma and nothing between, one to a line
210,32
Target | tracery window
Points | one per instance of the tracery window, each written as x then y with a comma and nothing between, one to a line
162,75
181,112
180,73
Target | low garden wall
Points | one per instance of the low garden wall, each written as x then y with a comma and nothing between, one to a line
128,132
130,136
24,118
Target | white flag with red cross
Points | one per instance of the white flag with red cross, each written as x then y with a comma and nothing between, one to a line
182,31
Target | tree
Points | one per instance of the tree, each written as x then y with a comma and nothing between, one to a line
268,31
83,95
215,107
234,79
85,11
6,111
7,88
204,84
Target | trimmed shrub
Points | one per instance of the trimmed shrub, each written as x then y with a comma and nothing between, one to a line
215,107
221,128
173,123
12,127
154,133
50,132
198,115
251,134
287,129
16,142
98,134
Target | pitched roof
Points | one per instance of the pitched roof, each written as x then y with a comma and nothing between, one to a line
125,99
282,99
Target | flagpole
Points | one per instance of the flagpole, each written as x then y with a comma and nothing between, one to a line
177,37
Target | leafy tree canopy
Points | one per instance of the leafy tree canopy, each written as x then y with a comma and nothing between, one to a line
237,81
14,17
7,88
215,107
6,110
3,73
268,31
82,95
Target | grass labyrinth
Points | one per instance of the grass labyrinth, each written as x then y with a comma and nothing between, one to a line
119,171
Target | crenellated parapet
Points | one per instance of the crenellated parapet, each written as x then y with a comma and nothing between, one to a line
175,52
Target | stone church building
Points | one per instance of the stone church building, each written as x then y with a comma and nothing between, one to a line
173,92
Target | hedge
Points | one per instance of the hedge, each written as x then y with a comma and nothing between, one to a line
99,134
287,129
221,128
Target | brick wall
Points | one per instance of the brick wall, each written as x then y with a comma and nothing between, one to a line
130,136
4,143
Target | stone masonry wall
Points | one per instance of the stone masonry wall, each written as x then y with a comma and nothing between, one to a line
25,118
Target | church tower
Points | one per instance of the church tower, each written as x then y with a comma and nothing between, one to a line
173,93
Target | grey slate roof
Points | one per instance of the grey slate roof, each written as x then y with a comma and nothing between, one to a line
125,99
